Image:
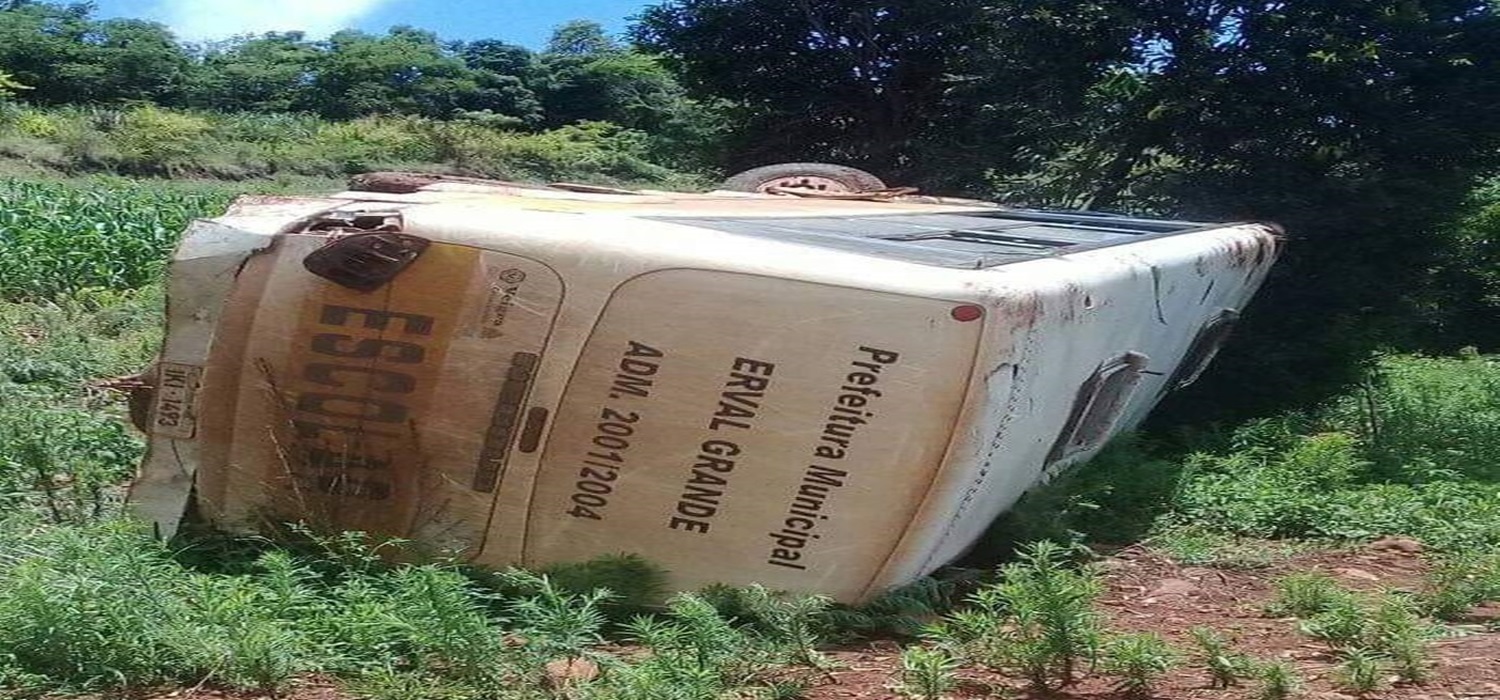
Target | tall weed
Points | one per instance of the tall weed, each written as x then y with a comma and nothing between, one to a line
1038,619
1432,419
156,141
1460,581
699,653
64,448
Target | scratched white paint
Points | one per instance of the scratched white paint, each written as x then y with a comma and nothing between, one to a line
752,343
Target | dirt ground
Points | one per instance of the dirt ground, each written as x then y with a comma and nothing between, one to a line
1148,592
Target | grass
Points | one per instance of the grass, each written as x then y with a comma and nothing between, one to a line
1139,660
1461,581
1307,593
91,607
1373,635
64,448
1277,681
1411,453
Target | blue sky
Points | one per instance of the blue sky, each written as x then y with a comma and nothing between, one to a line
525,22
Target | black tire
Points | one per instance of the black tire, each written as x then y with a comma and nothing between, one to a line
822,176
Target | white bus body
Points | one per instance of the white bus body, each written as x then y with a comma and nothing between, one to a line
822,396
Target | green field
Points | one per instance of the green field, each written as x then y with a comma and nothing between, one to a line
90,603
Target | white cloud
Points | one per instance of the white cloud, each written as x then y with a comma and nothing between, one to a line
197,20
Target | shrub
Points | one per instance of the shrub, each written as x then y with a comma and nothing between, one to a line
36,124
1038,620
1225,667
1418,465
1139,660
904,611
369,143
1460,581
64,462
1307,593
155,141
1277,680
1370,635
1284,496
927,673
63,449
104,607
1430,419
697,652
1359,671
152,140
634,583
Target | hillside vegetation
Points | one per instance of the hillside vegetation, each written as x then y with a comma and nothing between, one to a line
154,141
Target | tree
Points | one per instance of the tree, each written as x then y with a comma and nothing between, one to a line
69,57
925,92
581,37
1360,125
498,57
1462,299
405,72
504,73
269,73
584,77
629,89
1357,124
41,45
136,60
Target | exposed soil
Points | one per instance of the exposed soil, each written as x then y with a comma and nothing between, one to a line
1149,592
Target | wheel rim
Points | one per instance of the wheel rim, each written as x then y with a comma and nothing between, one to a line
807,182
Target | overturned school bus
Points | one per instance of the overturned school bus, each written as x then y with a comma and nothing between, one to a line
816,393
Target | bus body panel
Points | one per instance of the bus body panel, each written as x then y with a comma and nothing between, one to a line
557,379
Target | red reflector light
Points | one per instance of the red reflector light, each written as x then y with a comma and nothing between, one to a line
967,312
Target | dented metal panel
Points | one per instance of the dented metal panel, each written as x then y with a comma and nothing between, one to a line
201,277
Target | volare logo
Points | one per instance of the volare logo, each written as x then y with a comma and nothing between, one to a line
504,289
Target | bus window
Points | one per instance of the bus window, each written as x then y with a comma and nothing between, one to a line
1205,346
1100,400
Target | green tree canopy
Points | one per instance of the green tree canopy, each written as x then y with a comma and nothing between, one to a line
268,73
68,56
584,75
407,71
1358,124
581,37
505,74
71,57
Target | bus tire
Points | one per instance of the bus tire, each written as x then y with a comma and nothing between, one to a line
824,177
